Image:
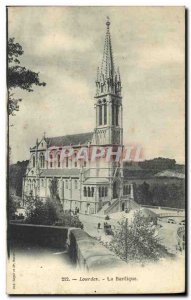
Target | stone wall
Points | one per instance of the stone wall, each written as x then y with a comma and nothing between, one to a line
46,236
84,251
89,254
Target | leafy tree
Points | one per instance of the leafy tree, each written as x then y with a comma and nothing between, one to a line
161,194
12,207
16,173
38,212
70,220
142,193
18,76
49,212
54,195
53,186
137,241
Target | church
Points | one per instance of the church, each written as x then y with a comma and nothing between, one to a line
90,186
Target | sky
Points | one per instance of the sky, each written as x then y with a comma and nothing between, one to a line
65,45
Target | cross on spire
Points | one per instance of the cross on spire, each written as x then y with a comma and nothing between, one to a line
108,23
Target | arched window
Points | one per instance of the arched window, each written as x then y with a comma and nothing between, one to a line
89,193
102,192
75,184
100,114
106,191
67,162
51,160
129,189
58,160
33,161
105,113
75,160
92,191
42,160
66,184
124,190
30,188
113,113
34,184
85,192
117,115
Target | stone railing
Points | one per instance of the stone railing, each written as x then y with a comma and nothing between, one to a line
89,254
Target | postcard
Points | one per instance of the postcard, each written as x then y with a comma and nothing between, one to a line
96,150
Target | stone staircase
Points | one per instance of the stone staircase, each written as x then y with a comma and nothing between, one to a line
114,206
131,203
106,206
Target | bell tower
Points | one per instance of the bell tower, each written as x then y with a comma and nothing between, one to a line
108,100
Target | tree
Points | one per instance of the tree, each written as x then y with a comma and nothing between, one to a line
38,212
49,212
16,173
12,207
54,195
64,218
53,186
142,193
137,241
18,76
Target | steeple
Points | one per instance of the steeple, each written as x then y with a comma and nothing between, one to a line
107,67
108,81
108,99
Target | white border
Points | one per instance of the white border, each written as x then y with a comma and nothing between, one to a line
3,4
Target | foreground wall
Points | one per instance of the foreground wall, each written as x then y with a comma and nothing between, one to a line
86,252
89,254
42,235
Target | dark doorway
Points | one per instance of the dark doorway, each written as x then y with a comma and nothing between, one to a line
123,206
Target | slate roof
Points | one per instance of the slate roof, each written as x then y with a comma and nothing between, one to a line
96,181
73,139
60,172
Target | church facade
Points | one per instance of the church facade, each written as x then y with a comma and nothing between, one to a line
90,186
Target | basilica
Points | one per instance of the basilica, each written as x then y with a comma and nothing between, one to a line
90,186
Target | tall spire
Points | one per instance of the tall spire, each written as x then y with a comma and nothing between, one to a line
108,81
107,67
